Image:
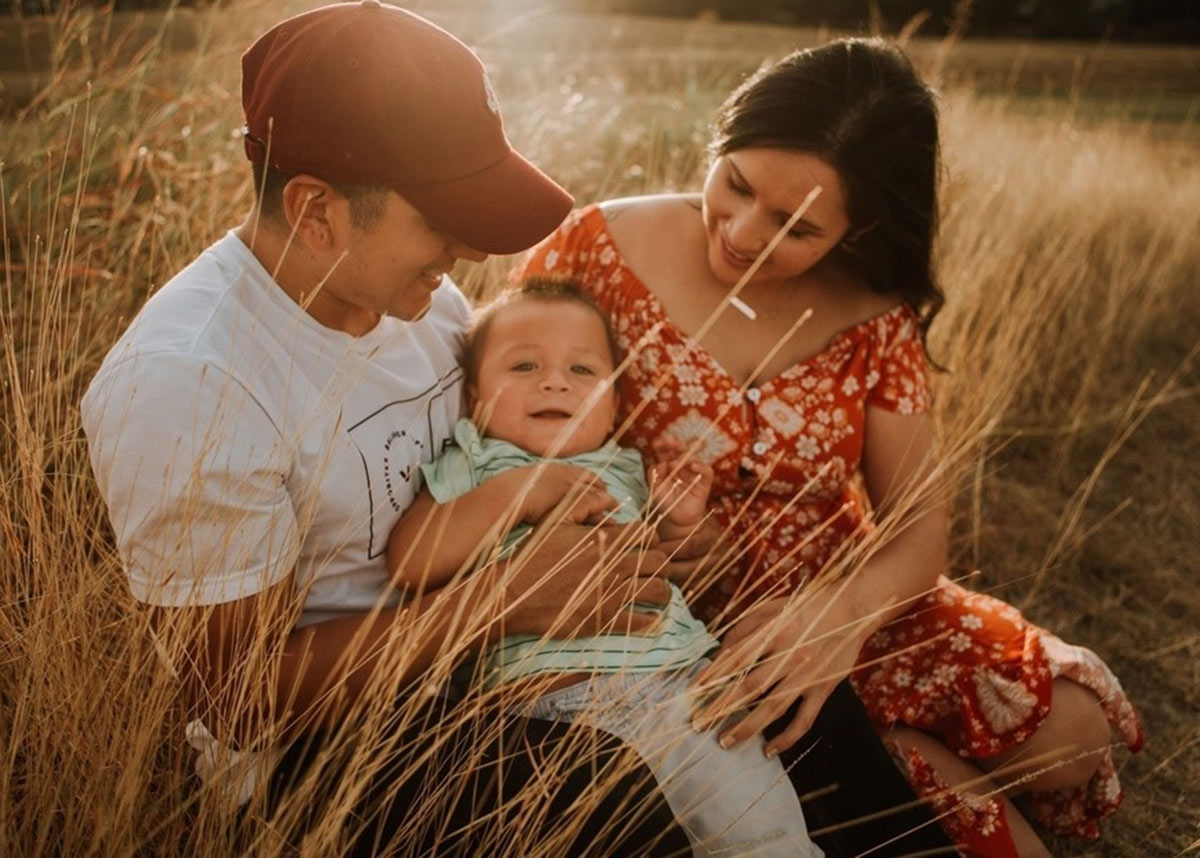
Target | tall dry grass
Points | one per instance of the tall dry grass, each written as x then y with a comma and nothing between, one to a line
1067,418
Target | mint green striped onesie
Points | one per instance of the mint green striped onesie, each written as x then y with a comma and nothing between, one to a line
681,640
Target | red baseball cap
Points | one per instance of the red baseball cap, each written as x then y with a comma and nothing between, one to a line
369,94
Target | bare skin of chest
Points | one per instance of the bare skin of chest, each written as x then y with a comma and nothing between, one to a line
750,351
783,333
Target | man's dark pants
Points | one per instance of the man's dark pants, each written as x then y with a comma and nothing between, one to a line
453,795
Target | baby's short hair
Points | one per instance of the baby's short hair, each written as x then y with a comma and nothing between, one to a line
538,287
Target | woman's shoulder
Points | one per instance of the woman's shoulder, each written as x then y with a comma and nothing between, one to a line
622,221
630,219
653,231
648,206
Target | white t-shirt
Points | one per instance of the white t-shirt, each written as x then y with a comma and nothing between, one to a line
234,438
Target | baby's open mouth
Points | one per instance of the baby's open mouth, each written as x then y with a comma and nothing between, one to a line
551,414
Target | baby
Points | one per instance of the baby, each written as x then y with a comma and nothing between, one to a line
540,362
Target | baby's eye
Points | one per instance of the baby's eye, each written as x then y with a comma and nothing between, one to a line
524,366
581,369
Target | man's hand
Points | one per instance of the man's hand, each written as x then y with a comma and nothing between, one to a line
576,493
573,581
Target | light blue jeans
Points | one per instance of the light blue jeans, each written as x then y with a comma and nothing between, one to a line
730,802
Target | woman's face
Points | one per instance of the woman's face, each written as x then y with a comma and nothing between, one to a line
751,193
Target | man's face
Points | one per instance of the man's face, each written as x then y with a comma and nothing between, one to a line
545,378
390,268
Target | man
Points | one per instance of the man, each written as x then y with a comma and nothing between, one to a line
258,429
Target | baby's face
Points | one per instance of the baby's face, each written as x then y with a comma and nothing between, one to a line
545,378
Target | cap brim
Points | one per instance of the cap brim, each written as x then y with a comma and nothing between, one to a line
505,208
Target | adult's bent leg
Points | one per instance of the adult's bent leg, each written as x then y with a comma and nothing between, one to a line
495,783
855,799
1010,833
1064,752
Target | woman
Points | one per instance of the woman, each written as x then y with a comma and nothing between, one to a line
800,377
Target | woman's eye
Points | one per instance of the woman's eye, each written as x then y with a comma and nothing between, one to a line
739,189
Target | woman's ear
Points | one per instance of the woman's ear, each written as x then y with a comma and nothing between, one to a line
859,231
317,215
849,242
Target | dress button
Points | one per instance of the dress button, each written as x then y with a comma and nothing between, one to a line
754,394
759,447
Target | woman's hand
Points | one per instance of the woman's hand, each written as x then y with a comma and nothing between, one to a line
786,649
575,494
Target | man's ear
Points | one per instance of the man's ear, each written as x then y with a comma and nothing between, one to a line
317,215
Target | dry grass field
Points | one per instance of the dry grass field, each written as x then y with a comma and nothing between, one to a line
1069,254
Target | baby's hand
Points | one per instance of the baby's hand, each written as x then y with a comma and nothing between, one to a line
679,487
576,494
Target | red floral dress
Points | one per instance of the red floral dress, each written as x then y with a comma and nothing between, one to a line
960,665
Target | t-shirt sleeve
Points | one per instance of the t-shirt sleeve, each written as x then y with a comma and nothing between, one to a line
898,380
449,475
193,472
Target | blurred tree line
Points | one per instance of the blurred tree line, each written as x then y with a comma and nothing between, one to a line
1121,20
1124,20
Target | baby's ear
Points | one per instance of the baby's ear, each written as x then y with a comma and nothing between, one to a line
474,407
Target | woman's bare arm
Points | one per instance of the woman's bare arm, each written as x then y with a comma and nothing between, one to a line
801,646
904,484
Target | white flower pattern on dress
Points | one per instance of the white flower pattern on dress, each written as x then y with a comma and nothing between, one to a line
700,434
1006,703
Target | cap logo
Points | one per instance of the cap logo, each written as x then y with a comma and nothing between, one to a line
493,103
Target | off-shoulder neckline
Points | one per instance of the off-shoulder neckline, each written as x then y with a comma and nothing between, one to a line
851,332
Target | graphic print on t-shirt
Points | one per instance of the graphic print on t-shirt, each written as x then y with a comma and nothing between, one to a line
393,441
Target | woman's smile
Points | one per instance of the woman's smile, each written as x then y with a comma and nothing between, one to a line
733,257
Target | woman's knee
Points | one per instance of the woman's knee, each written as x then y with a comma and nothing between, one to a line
1081,730
1064,752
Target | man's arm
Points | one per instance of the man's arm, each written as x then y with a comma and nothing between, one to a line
208,531
433,541
250,675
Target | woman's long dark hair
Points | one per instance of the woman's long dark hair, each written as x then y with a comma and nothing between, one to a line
859,106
